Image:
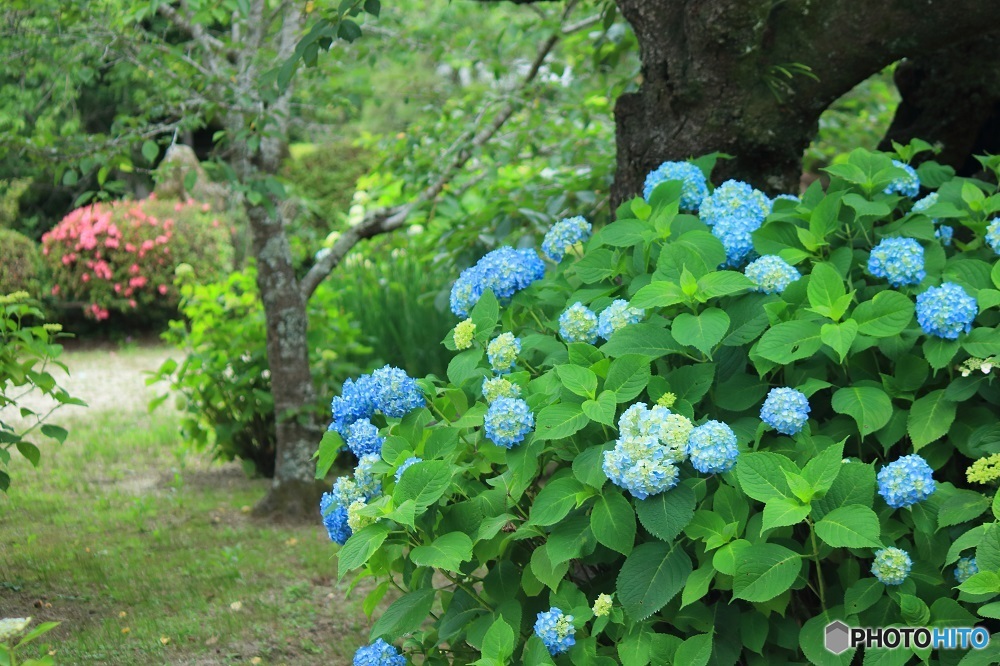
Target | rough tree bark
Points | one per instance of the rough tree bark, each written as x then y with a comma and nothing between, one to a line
706,67
951,98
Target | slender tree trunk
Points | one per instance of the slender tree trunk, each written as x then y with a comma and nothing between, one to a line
712,75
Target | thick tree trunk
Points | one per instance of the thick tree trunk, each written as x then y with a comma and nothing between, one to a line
709,71
951,98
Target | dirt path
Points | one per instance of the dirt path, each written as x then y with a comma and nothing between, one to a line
107,379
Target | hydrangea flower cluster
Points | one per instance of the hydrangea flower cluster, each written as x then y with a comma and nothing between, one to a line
650,444
464,331
786,410
984,470
363,438
563,235
946,311
508,421
413,460
379,653
602,605
712,448
900,260
786,197
942,232
905,482
388,390
965,569
335,505
505,271
909,185
923,204
993,235
499,387
694,185
617,316
502,352
771,274
734,211
892,566
556,630
578,324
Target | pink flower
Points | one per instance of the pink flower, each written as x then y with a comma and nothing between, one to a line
205,208
55,290
138,282
162,289
147,245
129,247
111,242
134,269
132,303
85,277
118,289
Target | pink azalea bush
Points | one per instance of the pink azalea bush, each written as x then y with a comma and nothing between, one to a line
121,256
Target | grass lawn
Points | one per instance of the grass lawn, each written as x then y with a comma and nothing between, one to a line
146,553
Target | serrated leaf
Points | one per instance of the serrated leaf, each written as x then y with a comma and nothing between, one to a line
790,341
667,514
930,418
703,331
765,571
603,409
554,501
405,614
781,512
559,421
447,552
886,315
613,521
360,547
579,380
869,406
627,377
650,577
851,526
761,475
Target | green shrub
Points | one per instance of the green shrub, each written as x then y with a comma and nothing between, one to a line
20,264
28,354
699,533
223,382
121,256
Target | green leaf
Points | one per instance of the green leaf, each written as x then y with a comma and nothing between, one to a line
765,571
650,578
405,615
692,382
703,332
862,595
869,406
822,470
628,376
329,446
448,551
55,432
723,283
762,475
886,315
601,410
465,366
498,643
781,512
660,294
648,340
963,506
854,485
984,582
697,585
587,465
790,341
694,651
613,521
580,381
424,483
852,526
348,30
486,314
930,419
571,538
559,421
939,352
825,290
840,337
361,546
150,151
554,501
667,514
29,451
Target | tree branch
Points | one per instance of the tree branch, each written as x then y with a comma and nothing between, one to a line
212,45
386,220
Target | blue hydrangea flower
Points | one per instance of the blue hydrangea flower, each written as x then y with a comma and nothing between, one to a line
946,311
368,486
396,393
694,186
556,630
502,352
923,204
499,387
900,260
508,421
578,324
905,482
363,438
565,234
505,271
334,519
356,401
771,274
909,185
616,316
944,233
734,211
406,463
965,568
892,566
786,410
712,448
786,197
640,466
993,235
379,653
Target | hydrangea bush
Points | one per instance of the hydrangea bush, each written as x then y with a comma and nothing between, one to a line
786,417
121,256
